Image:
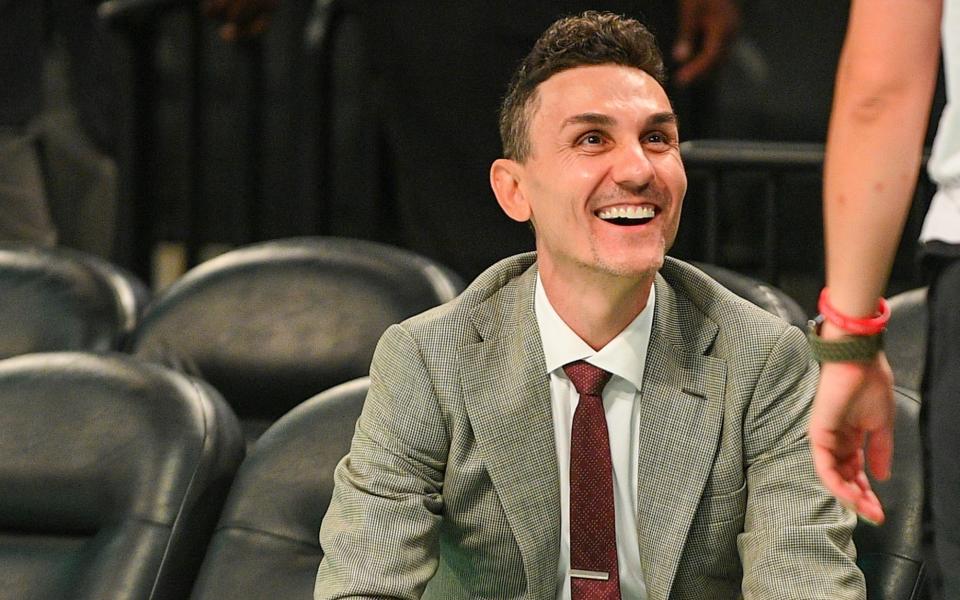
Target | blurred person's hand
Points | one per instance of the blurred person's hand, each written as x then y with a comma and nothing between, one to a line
707,28
851,429
242,19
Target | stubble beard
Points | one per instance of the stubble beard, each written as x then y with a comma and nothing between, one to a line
626,267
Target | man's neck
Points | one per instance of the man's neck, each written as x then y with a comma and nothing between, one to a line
596,306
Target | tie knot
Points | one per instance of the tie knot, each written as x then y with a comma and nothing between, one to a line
586,378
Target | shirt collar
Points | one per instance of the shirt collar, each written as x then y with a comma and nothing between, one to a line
624,356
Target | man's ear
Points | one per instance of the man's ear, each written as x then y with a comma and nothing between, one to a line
505,177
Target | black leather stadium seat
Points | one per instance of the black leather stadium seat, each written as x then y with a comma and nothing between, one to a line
906,337
272,324
59,299
266,544
764,295
890,556
131,293
112,476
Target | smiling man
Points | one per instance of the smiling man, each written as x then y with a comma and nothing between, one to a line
592,420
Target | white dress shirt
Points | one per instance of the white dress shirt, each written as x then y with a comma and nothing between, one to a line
942,222
624,357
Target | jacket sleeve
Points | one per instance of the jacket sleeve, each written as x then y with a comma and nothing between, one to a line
796,542
380,534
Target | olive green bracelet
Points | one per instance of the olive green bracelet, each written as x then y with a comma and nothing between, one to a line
849,348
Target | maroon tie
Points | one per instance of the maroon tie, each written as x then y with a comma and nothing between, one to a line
593,540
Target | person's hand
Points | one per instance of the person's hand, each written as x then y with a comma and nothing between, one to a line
706,29
854,406
243,19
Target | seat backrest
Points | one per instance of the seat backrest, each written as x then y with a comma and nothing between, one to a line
266,544
131,292
764,295
58,299
905,340
890,556
271,324
112,476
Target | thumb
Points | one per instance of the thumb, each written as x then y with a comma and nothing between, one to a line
880,452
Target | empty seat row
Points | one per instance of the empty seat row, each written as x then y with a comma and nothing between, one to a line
61,299
105,453
125,480
112,475
273,323
114,482
267,325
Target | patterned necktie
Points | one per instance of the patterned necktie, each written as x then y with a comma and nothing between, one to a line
593,540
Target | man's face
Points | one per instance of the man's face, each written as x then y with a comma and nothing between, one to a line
604,182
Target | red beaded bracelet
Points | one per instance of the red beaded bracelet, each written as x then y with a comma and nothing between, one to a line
871,325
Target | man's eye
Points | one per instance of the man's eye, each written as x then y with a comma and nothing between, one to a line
658,138
591,139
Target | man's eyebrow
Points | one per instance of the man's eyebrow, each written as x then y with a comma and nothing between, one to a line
602,120
598,119
662,118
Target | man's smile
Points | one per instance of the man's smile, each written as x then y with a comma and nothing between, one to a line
628,214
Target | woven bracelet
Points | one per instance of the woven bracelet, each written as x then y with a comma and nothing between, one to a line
850,348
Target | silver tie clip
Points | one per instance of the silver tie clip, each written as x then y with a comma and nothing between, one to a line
584,574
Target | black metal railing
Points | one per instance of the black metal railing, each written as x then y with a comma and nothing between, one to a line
718,160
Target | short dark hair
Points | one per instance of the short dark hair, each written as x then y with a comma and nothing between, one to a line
591,38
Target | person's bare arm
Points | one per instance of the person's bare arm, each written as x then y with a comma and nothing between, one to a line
884,88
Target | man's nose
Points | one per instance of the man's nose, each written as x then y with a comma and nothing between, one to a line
632,167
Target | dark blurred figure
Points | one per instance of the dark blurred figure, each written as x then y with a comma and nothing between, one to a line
242,19
415,94
58,106
24,214
410,167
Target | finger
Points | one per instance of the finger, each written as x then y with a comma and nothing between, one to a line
826,465
850,465
245,12
682,50
214,8
713,50
869,508
853,496
238,10
867,504
862,481
254,28
880,452
686,31
228,32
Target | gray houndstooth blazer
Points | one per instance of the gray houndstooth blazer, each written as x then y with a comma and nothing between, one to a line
451,487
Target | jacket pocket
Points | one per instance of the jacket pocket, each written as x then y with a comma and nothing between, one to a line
715,509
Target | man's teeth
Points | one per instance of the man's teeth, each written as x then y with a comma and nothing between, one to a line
627,212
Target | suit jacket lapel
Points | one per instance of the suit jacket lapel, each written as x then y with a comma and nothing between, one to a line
680,420
507,396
